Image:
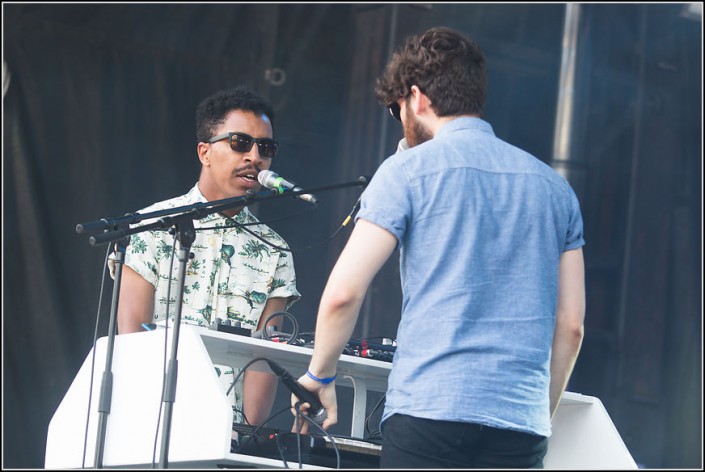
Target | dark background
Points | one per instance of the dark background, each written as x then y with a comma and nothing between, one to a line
98,120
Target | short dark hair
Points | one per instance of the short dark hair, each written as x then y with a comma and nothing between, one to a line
211,112
447,66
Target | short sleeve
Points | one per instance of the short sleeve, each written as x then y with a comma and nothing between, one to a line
141,255
574,234
283,284
386,201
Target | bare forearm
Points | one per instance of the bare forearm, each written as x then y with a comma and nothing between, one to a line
337,321
566,346
367,249
570,316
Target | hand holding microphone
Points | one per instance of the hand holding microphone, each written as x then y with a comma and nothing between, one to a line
316,412
271,180
325,398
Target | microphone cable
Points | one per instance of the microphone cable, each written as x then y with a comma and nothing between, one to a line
289,381
292,337
299,413
166,332
376,434
252,435
242,226
242,371
281,452
95,340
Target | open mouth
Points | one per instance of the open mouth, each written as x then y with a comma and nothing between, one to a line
250,177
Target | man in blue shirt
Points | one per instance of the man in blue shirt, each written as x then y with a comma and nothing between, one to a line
492,274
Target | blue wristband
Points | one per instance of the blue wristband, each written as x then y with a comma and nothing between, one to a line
325,381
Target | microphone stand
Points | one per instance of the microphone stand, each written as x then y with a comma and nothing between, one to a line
182,221
106,386
186,235
109,233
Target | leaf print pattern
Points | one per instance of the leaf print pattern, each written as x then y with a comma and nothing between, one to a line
138,244
258,297
246,297
254,250
152,268
223,289
207,313
226,253
193,267
254,268
276,283
230,276
164,251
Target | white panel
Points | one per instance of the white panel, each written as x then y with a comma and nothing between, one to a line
584,437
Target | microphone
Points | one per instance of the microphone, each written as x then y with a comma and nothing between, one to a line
316,412
272,180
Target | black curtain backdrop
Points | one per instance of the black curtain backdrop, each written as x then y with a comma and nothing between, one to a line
98,120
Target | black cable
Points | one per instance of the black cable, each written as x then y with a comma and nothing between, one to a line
367,420
281,453
242,226
268,222
272,245
296,407
95,340
242,371
242,412
280,248
256,430
335,446
286,314
166,331
303,338
298,436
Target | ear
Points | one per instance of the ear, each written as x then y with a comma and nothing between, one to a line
420,103
203,151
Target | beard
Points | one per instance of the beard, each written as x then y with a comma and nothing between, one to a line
414,131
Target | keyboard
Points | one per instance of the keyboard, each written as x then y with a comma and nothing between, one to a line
350,444
316,449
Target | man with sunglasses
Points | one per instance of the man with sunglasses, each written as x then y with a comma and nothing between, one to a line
237,272
490,241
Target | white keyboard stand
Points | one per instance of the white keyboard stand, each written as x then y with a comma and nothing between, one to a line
583,438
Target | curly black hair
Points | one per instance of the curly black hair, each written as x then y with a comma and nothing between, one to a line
211,112
446,66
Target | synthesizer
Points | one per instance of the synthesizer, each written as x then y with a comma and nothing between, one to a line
315,449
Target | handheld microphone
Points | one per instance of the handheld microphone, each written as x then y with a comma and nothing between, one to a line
271,180
316,412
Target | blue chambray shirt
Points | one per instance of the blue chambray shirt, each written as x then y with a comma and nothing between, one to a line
480,226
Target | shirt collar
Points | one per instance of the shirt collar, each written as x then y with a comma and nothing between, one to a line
465,122
195,196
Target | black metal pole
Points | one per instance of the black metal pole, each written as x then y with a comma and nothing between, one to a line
106,386
186,235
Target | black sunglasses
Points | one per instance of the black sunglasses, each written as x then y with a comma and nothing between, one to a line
241,142
395,110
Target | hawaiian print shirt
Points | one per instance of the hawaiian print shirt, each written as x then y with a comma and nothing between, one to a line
231,275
